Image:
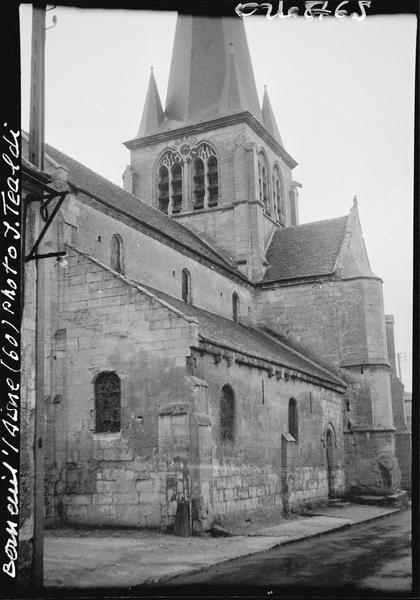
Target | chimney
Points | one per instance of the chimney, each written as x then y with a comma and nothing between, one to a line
390,341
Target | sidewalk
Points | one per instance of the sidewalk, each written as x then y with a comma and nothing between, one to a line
101,558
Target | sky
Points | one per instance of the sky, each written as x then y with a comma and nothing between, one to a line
342,92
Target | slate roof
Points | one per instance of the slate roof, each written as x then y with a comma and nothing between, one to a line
305,250
100,188
248,340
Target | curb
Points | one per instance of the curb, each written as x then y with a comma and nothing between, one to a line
195,571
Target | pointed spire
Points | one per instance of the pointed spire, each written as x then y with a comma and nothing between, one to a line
355,201
200,64
269,120
152,112
232,98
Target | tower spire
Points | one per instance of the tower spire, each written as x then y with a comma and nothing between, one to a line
232,98
269,120
152,112
201,65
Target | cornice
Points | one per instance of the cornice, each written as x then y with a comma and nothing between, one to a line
243,117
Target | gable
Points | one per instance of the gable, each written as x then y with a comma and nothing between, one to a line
353,260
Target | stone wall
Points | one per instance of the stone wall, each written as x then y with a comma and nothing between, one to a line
151,262
371,466
106,324
248,473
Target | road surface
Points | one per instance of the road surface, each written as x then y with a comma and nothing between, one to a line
367,559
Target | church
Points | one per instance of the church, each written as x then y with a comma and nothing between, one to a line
206,354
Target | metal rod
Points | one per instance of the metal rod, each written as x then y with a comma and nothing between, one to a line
45,228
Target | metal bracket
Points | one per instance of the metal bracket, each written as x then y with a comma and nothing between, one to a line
47,218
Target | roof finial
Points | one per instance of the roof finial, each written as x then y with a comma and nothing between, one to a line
355,201
151,68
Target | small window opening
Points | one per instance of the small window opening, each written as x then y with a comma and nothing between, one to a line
117,254
293,418
235,307
186,286
227,414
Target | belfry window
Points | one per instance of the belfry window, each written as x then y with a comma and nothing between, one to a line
213,178
163,187
186,286
227,414
169,184
117,254
293,419
176,188
199,186
278,196
107,403
235,307
263,182
205,178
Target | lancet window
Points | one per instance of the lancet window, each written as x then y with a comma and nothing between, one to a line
293,419
263,182
278,196
235,307
227,414
205,178
170,183
117,254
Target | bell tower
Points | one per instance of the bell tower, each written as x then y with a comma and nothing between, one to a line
213,159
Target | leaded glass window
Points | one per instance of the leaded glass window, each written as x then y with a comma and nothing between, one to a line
108,403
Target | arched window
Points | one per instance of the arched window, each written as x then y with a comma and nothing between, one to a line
227,414
293,419
117,254
169,183
186,286
163,187
278,196
205,177
263,182
235,307
176,187
198,178
213,178
107,403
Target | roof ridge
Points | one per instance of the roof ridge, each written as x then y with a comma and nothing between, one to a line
133,284
312,223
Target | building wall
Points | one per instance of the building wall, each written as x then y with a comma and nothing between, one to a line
341,320
249,473
153,263
108,325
